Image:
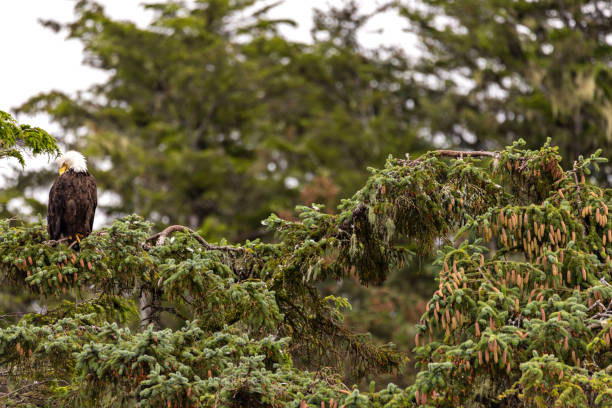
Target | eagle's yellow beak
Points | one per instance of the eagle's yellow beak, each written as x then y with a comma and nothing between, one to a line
63,169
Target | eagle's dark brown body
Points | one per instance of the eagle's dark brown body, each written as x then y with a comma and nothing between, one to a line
72,204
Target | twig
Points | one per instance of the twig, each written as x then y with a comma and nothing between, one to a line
453,153
18,390
450,153
484,277
601,317
54,243
8,315
597,303
469,153
161,237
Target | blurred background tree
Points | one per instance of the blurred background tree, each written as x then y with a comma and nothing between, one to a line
211,119
496,71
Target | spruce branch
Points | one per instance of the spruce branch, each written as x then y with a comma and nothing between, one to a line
461,154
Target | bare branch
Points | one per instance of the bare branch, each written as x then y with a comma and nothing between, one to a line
26,387
600,319
460,153
161,237
450,153
54,243
470,153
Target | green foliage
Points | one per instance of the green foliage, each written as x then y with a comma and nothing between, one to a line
223,293
520,312
518,321
520,317
15,138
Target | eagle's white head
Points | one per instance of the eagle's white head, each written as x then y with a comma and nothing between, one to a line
72,161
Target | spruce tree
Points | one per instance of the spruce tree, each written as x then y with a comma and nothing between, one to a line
521,315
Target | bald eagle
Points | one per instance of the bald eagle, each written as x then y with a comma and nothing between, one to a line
72,200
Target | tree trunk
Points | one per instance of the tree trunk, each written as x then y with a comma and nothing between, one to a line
150,307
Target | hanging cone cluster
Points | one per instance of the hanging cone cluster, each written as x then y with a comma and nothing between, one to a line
525,291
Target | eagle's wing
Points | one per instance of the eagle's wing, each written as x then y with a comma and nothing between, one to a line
55,211
92,193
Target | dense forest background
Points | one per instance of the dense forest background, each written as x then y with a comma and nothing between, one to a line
211,119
